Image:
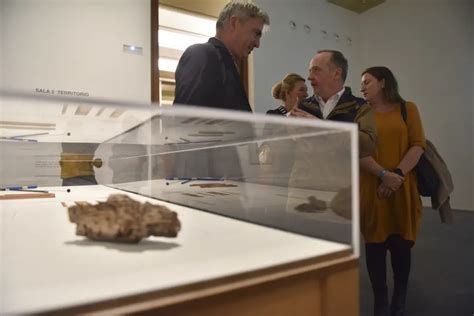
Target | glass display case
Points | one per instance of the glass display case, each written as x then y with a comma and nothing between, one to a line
266,205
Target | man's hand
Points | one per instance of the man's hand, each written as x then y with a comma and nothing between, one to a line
296,112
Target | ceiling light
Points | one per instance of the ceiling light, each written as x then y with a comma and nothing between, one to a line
178,40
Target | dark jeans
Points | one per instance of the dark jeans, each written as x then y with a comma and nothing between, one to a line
400,254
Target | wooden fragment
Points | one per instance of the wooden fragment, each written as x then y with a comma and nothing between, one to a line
26,196
122,219
213,185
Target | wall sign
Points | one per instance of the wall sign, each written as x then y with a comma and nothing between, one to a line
62,92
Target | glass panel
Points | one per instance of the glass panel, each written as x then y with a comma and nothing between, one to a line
252,192
290,174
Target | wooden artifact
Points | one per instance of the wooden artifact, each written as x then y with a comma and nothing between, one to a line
341,204
123,219
25,196
314,206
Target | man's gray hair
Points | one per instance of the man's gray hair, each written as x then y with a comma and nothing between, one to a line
244,10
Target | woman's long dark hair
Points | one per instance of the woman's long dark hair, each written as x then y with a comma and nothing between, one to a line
390,89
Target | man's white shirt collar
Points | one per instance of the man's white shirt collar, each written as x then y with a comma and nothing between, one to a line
327,107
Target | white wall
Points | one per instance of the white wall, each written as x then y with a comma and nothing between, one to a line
77,45
427,44
284,50
429,48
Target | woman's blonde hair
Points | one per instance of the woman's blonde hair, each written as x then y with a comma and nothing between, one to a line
286,85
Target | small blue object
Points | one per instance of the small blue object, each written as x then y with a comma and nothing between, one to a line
23,187
179,178
209,179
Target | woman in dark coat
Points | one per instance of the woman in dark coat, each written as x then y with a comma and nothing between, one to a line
291,90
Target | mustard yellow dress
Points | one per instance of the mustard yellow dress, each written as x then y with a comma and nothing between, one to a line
401,212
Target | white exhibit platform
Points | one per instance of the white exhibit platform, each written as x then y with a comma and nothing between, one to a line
45,266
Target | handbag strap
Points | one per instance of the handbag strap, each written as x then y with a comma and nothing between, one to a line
403,109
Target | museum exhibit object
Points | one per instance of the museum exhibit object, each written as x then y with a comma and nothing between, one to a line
115,207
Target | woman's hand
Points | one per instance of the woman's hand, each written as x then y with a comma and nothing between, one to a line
392,181
383,191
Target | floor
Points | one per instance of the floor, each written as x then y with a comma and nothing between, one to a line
442,274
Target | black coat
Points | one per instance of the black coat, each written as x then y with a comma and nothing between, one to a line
207,76
281,110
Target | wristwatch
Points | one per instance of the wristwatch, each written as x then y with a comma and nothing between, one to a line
399,172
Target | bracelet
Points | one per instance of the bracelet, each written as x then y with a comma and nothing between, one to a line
382,173
399,172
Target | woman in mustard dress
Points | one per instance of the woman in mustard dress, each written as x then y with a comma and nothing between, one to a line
390,203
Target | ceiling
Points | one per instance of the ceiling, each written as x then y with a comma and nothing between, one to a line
207,7
358,6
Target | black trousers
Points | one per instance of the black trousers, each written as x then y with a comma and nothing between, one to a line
376,258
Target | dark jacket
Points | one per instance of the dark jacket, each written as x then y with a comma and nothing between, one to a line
207,76
281,110
349,109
